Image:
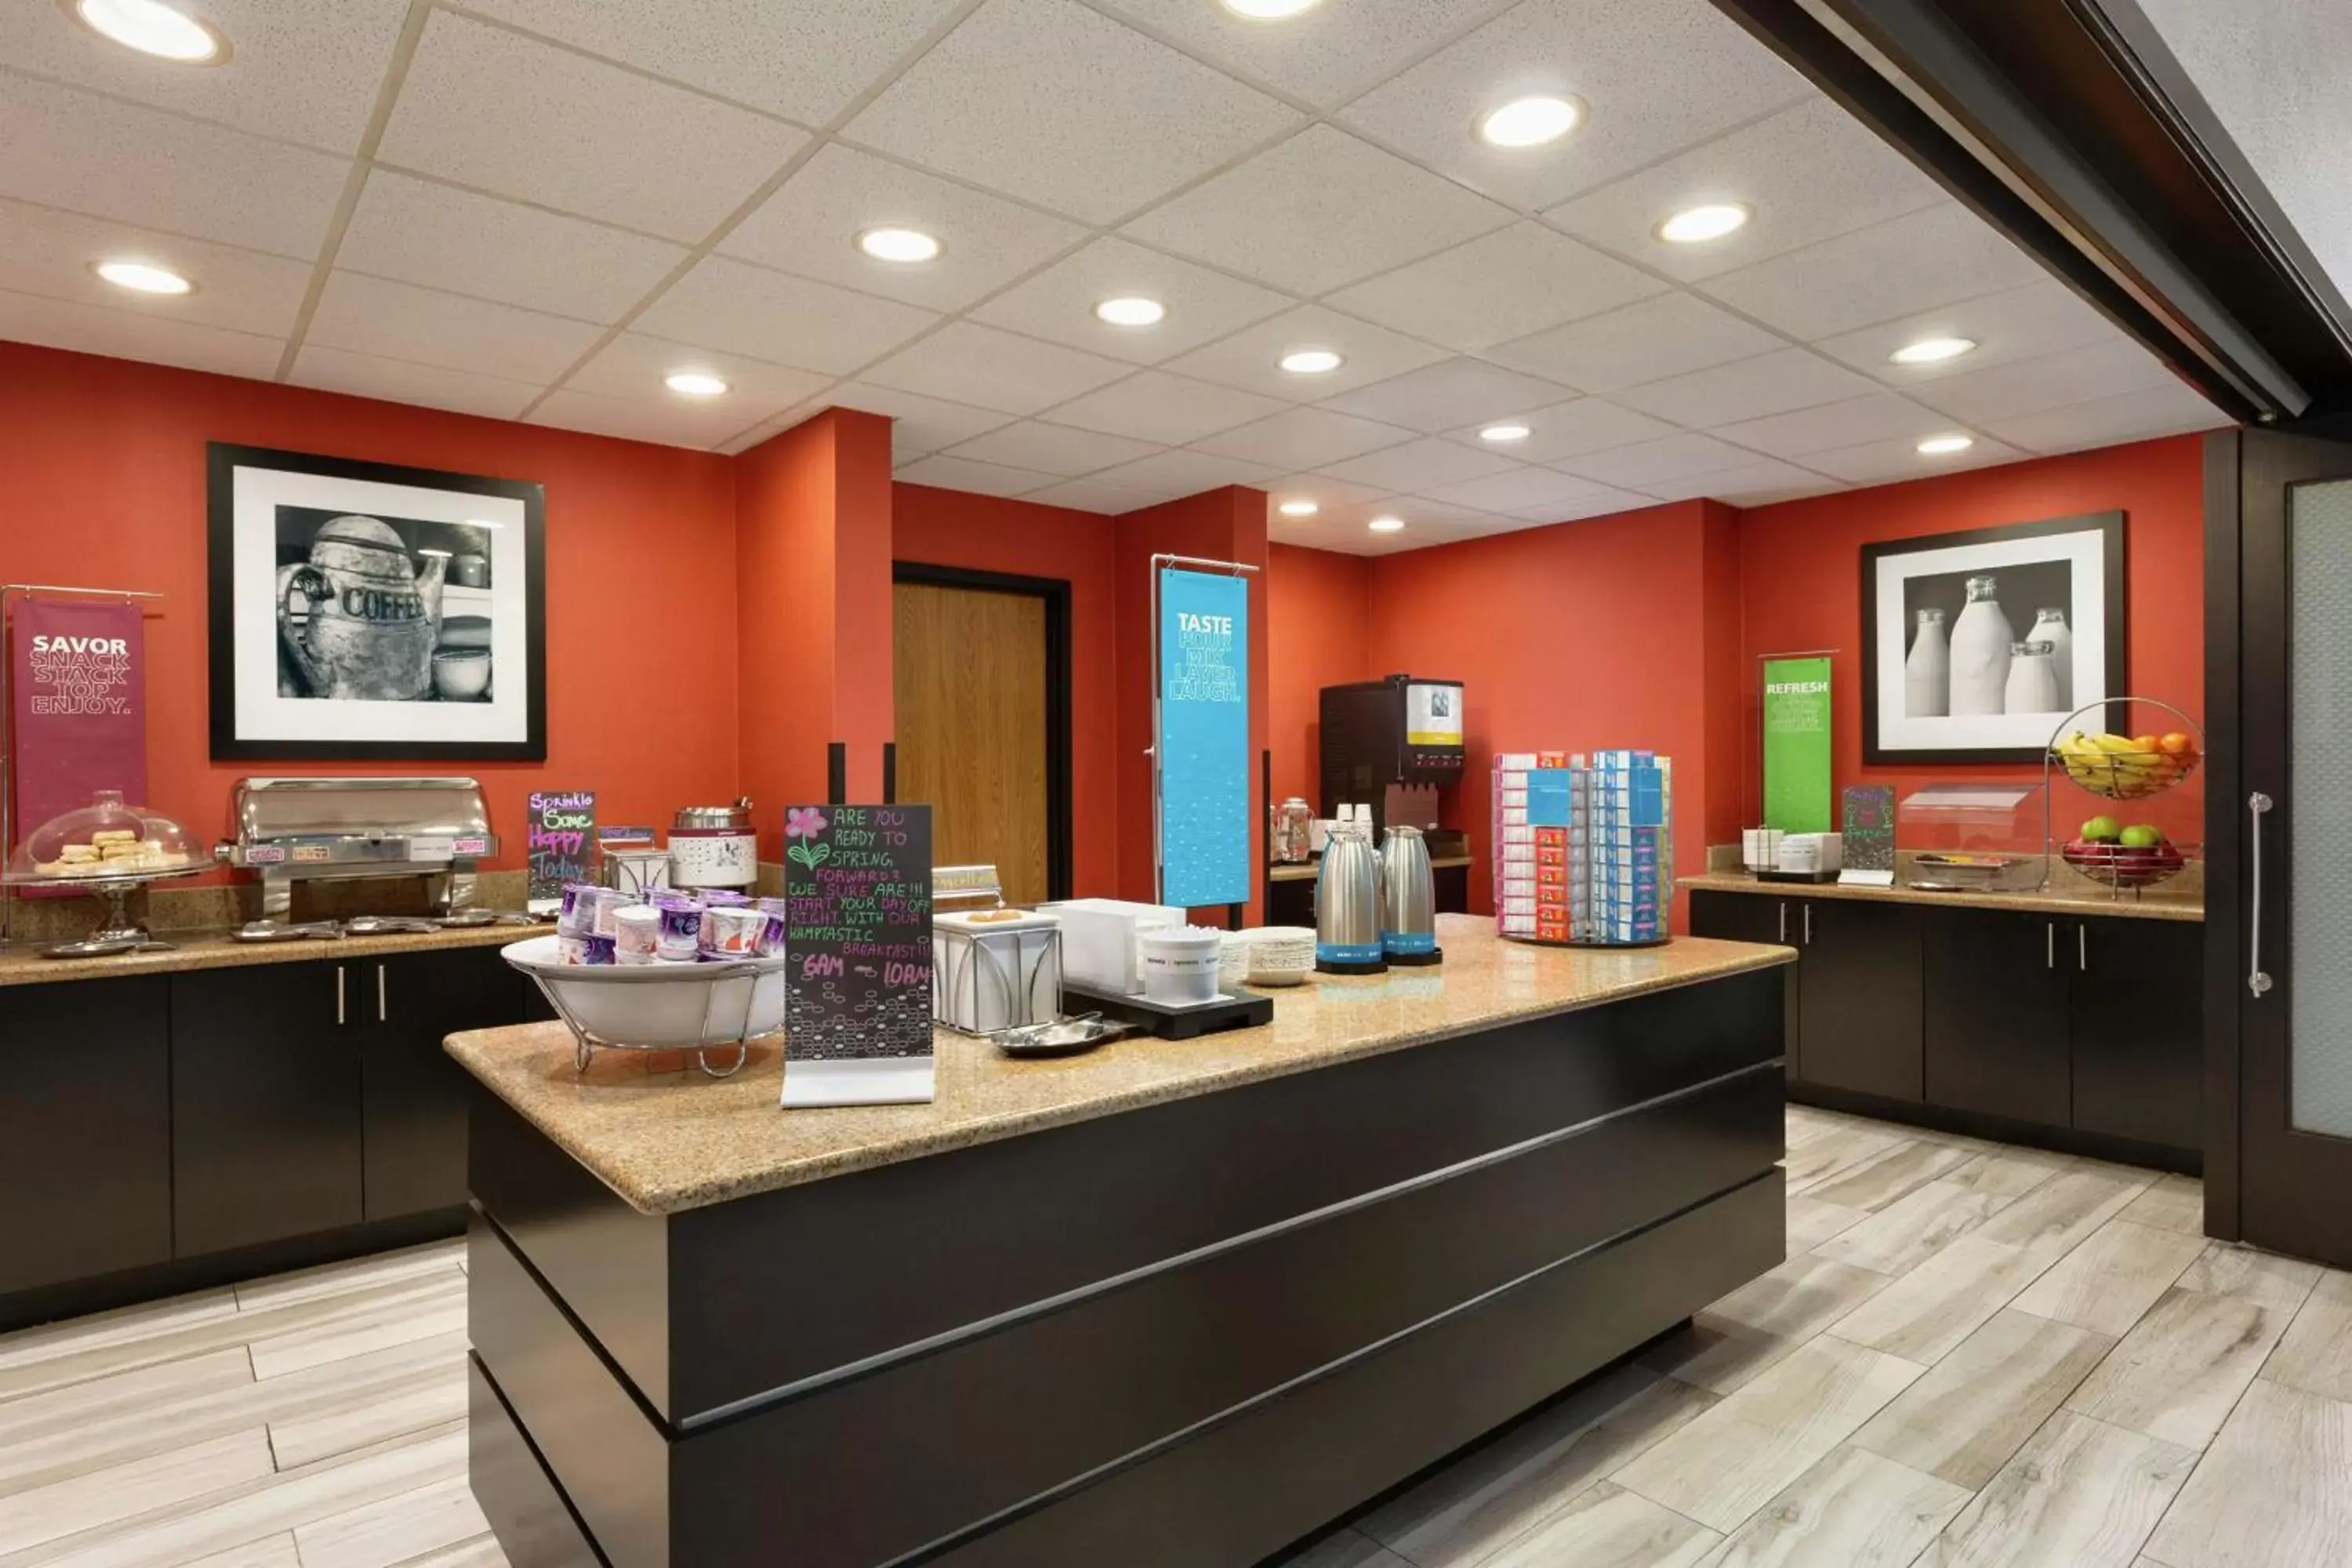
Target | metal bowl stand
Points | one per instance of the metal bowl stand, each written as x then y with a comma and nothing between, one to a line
586,1042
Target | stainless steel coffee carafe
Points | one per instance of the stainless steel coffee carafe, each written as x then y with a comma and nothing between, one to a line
1347,905
1407,899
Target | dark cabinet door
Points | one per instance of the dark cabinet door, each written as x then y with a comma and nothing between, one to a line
85,1130
264,1103
1757,917
1858,1004
2139,1054
412,1093
1996,1014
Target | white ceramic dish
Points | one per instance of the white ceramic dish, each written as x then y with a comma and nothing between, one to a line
663,1007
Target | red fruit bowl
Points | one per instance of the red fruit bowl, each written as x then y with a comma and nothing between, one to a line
2117,866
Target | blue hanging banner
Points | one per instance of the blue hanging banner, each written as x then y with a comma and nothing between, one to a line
1203,742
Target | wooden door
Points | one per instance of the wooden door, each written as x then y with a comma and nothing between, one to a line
972,700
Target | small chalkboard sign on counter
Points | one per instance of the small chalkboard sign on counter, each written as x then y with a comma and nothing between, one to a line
857,943
559,839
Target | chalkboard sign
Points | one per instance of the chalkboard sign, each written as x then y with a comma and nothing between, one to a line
1868,828
561,840
857,945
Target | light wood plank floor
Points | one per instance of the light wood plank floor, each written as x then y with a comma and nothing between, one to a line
1976,1356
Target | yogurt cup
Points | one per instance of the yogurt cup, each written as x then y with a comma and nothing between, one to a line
679,933
733,932
636,931
772,934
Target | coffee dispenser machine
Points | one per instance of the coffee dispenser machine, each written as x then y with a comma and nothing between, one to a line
1391,744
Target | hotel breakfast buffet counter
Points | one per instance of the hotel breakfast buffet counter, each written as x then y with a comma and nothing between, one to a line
1163,1303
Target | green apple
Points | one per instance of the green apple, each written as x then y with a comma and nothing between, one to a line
2100,829
2141,836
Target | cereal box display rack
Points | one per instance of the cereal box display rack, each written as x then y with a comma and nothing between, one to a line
1585,851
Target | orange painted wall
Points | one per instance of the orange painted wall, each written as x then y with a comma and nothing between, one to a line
987,533
1318,634
1800,572
103,467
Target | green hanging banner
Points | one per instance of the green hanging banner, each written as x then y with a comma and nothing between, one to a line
1797,745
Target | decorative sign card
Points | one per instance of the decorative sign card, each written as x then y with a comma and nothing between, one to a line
1869,836
561,838
79,675
857,942
1205,825
1797,745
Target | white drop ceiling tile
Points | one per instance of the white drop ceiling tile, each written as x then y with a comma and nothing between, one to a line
1808,173
754,436
1448,393
1880,416
2167,410
806,60
1657,76
1326,55
1501,285
1053,448
417,231
1322,209
1431,518
1418,466
1642,466
121,334
304,73
677,425
1602,502
918,424
1093,494
1339,503
1173,409
1167,475
1666,335
1758,478
2014,324
633,365
1571,429
979,365
1058,304
400,320
980,479
64,148
1918,262
1305,438
810,223
1898,459
1748,389
734,306
1055,103
1251,358
1520,490
2051,380
45,251
523,119
402,381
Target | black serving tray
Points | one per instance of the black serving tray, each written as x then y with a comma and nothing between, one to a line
1245,1011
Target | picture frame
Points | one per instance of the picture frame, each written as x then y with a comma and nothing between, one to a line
1935,691
371,611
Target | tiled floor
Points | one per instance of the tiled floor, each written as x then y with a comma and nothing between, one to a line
1976,1356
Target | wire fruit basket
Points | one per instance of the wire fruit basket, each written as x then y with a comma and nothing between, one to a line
696,1007
2119,768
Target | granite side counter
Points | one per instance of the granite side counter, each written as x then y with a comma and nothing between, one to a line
2074,898
1176,1293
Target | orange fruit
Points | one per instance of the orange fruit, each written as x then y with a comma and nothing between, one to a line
2177,744
2143,743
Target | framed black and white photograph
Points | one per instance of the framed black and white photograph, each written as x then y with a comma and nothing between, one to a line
369,612
1976,645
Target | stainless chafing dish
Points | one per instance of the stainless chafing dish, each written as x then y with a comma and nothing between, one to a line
291,830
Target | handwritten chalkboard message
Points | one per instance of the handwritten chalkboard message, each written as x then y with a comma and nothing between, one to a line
1868,822
857,940
562,832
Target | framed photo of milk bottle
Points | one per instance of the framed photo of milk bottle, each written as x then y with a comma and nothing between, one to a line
363,612
1975,645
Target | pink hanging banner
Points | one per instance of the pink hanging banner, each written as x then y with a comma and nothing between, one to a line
78,679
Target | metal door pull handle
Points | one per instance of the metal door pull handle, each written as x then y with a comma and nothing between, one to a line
2082,949
1808,925
379,993
341,1017
2258,806
1784,923
2050,945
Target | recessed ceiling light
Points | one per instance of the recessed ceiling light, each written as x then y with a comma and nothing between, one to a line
1931,350
1386,525
1298,508
141,277
1504,433
1311,362
1937,445
694,384
1131,311
151,27
898,245
1694,226
1268,10
1529,121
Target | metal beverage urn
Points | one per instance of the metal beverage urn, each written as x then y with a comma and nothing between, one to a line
1408,899
1348,904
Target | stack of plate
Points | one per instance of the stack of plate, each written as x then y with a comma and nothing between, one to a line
1280,955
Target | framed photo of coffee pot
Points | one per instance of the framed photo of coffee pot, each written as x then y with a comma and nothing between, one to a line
364,612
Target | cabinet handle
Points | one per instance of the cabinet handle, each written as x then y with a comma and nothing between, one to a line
1808,925
339,1018
2050,945
379,993
2082,949
1784,923
2258,806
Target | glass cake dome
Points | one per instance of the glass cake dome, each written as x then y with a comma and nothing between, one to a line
103,841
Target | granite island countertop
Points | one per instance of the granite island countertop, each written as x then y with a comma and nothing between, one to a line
2156,904
22,963
667,1141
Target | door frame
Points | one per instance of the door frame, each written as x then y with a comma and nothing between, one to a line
1055,592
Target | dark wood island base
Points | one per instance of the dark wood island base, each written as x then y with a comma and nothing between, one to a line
1184,1332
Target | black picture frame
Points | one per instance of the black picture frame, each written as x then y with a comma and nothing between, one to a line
2114,606
223,460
